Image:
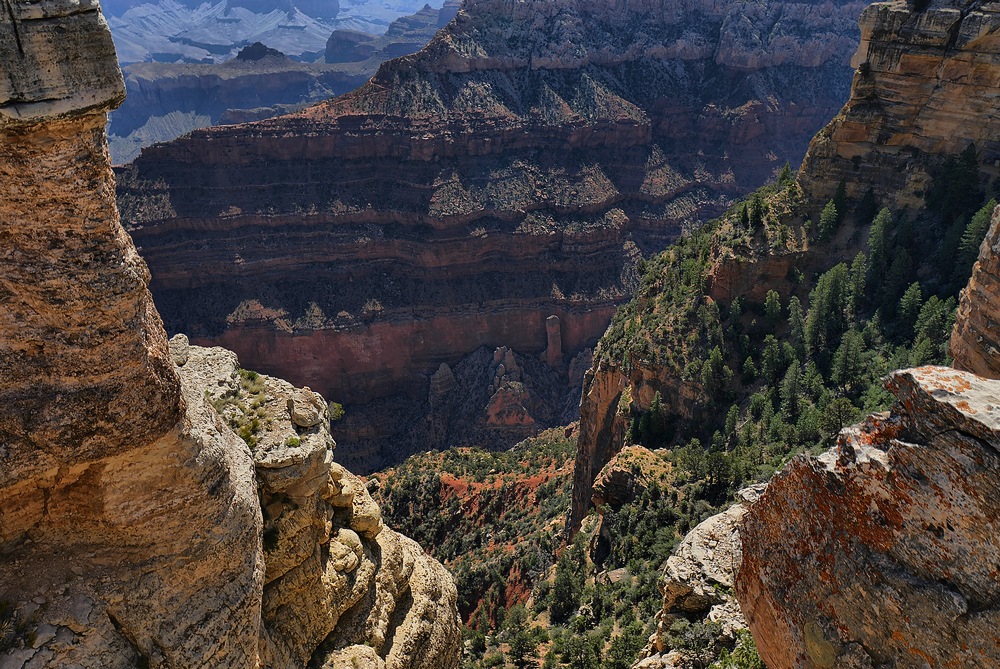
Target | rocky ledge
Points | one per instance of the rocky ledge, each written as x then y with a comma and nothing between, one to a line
924,88
136,527
974,343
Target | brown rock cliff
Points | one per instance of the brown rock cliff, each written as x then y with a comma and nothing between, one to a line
974,343
924,88
882,552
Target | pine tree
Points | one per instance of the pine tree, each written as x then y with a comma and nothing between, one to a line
829,219
909,307
796,327
972,239
856,289
878,242
772,307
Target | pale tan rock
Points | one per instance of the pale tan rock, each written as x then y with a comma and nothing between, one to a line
59,62
335,577
697,584
136,527
925,87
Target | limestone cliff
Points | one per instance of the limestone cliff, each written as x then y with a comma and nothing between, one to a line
131,522
924,87
513,169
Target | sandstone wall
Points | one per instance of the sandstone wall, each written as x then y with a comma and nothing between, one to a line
136,527
974,342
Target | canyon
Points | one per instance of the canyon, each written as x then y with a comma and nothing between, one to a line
516,168
137,528
922,93
168,99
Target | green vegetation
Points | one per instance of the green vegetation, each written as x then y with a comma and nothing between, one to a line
244,408
785,374
780,369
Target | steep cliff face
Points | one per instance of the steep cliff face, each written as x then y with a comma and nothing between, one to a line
511,170
131,522
924,88
974,342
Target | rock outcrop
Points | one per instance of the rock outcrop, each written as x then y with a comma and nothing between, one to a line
975,344
136,527
697,584
336,582
883,552
512,170
924,88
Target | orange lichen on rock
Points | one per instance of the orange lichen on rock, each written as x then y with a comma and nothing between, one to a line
901,516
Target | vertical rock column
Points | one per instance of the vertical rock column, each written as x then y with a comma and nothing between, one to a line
84,366
553,338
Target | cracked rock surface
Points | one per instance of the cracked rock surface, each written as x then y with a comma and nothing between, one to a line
884,551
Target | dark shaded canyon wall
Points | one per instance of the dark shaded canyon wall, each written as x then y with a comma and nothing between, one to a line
514,168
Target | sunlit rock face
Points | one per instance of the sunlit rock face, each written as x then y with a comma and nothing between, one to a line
883,552
925,87
132,531
975,344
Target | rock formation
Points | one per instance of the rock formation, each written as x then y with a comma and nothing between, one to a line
337,583
974,343
883,552
405,35
136,527
512,170
167,100
697,584
924,88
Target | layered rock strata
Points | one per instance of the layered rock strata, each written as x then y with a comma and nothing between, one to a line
131,523
975,344
883,552
924,88
512,170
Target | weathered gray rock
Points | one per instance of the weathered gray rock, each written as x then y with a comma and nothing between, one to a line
59,62
697,584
